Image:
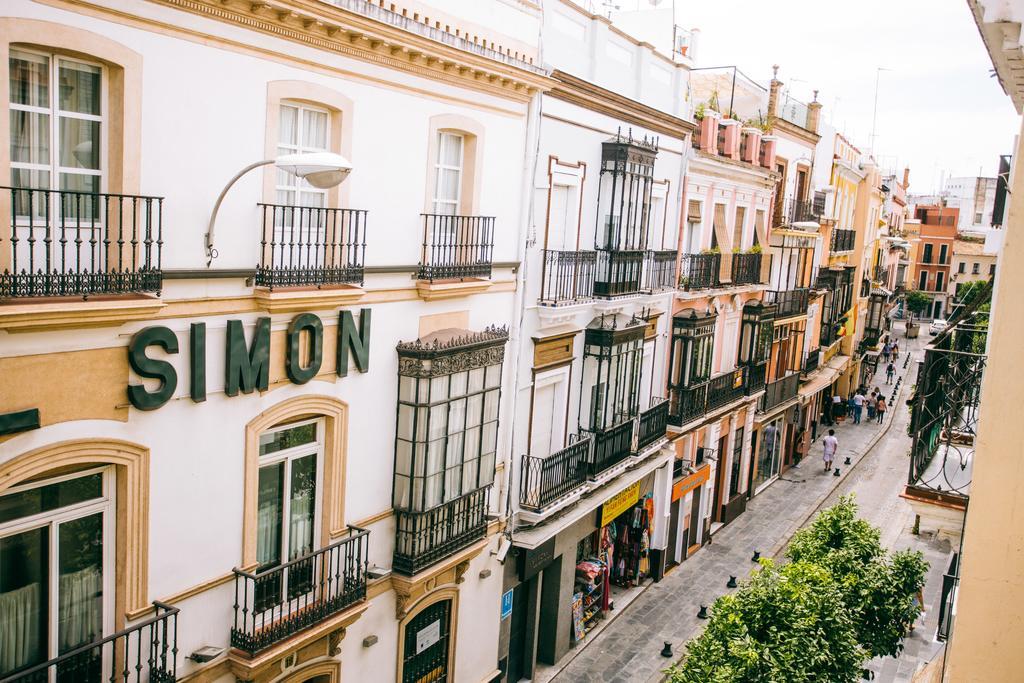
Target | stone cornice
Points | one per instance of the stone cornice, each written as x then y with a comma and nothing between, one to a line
791,129
326,27
723,167
589,96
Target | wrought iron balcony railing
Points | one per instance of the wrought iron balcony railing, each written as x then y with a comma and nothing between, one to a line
700,271
802,211
542,480
66,243
568,277
778,392
811,362
790,302
311,246
652,423
611,446
276,603
423,538
659,270
618,273
950,583
842,240
456,247
725,388
746,269
755,377
146,652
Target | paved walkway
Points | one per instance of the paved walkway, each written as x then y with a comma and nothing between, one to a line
629,648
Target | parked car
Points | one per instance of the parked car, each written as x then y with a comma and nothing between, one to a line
937,326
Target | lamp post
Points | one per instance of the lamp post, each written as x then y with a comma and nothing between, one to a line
322,170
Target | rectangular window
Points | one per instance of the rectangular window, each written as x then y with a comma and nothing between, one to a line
718,225
943,249
960,268
448,173
923,280
57,126
56,573
737,461
975,268
939,281
302,129
927,258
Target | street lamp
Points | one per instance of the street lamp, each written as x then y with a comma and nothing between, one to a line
322,170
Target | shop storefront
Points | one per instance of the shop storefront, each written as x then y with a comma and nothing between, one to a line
686,524
768,461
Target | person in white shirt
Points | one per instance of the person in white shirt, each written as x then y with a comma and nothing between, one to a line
830,445
858,407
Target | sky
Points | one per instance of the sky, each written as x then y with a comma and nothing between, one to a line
939,110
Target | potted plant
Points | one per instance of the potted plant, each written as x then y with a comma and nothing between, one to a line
916,302
756,249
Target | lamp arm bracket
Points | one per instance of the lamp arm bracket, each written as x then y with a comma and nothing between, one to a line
211,253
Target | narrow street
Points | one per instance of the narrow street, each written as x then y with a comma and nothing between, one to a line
629,648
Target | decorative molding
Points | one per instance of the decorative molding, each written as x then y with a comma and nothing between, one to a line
795,131
437,291
46,315
412,590
589,96
295,300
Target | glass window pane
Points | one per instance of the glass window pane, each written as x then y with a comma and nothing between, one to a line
439,388
469,474
79,143
458,387
287,438
30,137
491,405
80,582
493,375
486,469
432,491
30,79
401,497
447,185
35,179
405,417
453,483
457,416
80,182
473,408
450,150
454,451
438,421
50,497
422,423
302,506
268,515
489,440
435,456
24,562
288,126
419,459
403,457
79,88
476,380
407,389
472,449
314,134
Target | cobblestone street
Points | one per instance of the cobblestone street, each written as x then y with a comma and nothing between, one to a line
629,648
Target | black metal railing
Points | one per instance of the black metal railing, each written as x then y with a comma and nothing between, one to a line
686,404
423,538
66,243
746,269
618,273
305,245
659,270
652,423
568,276
276,603
842,240
456,247
778,392
700,271
802,211
611,446
725,388
811,362
144,652
950,581
755,377
544,480
789,302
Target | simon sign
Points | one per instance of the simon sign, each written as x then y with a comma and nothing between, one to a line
246,367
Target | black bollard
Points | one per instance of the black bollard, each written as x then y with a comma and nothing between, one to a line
731,583
836,473
703,613
667,650
847,461
756,557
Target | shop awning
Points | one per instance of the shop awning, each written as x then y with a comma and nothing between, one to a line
562,520
822,379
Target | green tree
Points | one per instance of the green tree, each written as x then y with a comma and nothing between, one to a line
917,302
786,624
878,587
841,600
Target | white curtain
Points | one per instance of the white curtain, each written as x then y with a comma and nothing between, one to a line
300,531
19,627
268,532
80,611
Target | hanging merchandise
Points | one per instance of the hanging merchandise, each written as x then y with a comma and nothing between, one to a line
628,546
589,599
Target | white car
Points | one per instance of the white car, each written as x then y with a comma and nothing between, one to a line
938,325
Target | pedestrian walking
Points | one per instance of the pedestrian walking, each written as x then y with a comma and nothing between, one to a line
838,409
886,350
830,444
858,407
890,370
896,350
850,406
870,402
880,409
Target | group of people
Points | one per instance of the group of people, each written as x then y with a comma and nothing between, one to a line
853,407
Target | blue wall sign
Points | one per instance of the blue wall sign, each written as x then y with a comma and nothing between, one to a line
506,605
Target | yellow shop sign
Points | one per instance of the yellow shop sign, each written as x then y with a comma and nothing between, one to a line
619,503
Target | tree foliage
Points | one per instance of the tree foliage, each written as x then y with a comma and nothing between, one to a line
917,301
839,601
